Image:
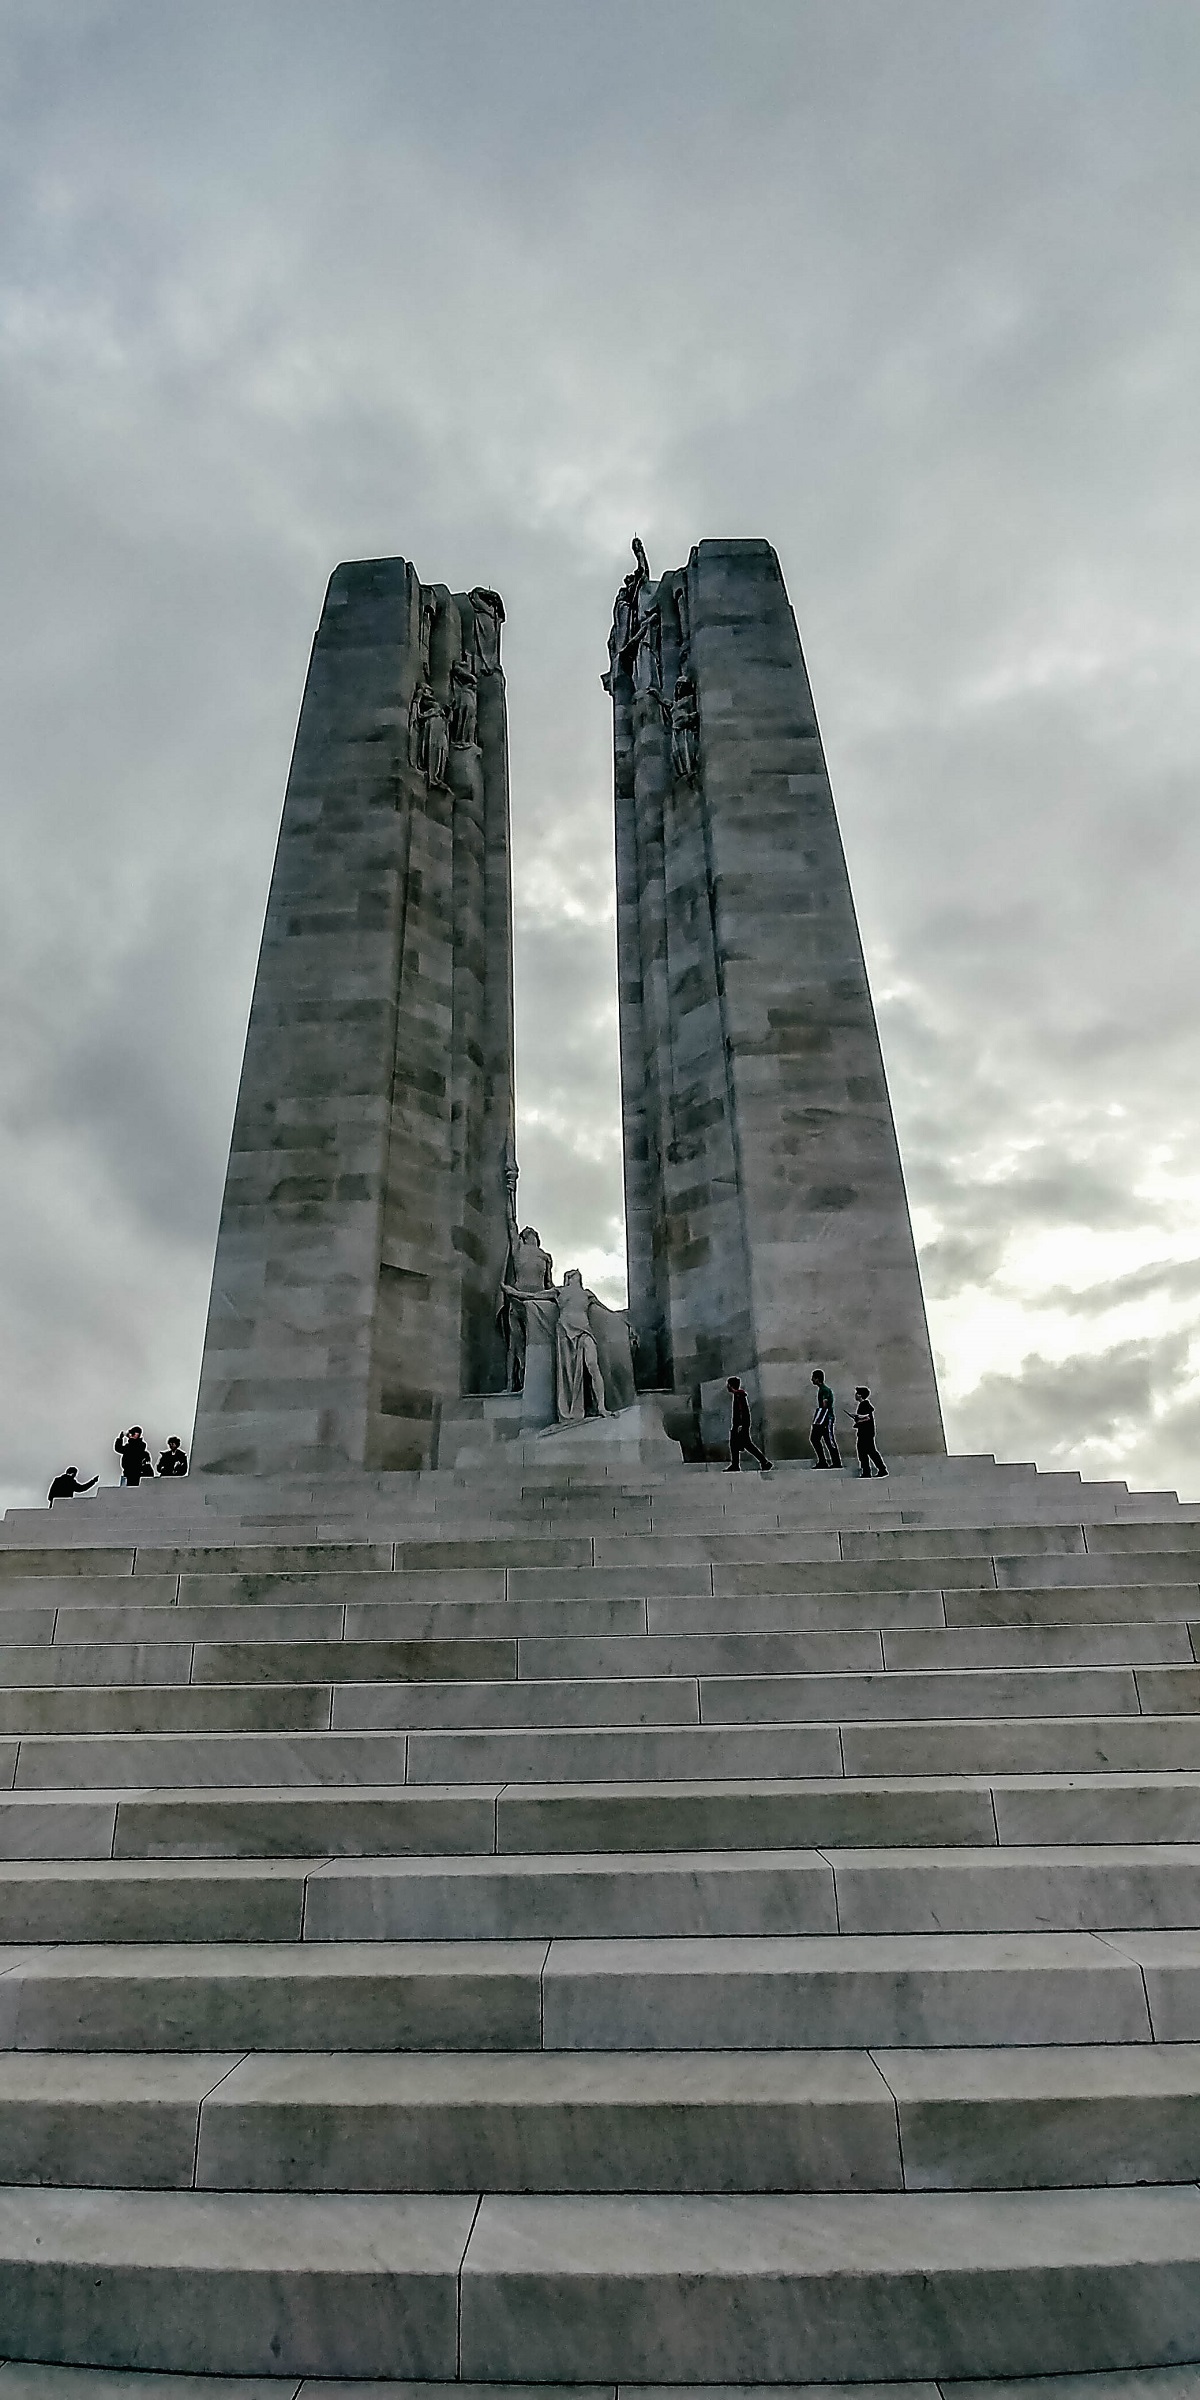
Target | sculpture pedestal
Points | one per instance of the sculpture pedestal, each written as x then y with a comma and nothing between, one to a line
474,1431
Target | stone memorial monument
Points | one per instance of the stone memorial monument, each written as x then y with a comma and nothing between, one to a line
767,1222
370,1271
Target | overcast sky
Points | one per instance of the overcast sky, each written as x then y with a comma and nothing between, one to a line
913,291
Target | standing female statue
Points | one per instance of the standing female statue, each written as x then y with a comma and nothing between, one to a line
575,1354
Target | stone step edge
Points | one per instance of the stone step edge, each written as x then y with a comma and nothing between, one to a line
859,2287
34,2382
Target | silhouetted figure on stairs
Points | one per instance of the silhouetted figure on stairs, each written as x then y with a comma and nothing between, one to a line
740,1436
864,1433
823,1437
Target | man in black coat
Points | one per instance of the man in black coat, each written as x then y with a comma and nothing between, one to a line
134,1455
740,1436
66,1485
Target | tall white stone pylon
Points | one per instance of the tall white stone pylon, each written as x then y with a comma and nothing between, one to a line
363,1234
768,1224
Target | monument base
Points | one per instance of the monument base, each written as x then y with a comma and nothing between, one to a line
476,1430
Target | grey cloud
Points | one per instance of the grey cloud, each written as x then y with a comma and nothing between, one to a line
1175,1279
908,293
1082,1410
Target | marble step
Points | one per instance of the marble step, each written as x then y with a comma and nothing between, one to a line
844,2286
551,1646
100,1708
43,1688
779,1562
404,1685
650,1993
394,1819
574,2288
464,1603
659,2121
730,1892
745,2121
235,1691
974,1746
231,2284
590,1896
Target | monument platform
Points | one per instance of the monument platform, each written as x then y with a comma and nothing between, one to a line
584,1920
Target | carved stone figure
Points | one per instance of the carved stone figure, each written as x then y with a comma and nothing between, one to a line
647,654
576,1358
614,1342
437,739
464,699
429,737
683,611
428,618
416,726
624,634
685,731
529,1270
489,617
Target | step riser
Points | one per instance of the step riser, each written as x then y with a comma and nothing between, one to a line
380,2126
83,1646
638,1996
1089,1746
592,2289
698,1893
426,1823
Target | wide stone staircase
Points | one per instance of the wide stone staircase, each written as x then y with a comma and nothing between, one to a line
632,1926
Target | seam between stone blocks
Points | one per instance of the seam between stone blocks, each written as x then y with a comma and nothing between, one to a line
461,2264
1107,1942
896,2109
202,2103
831,1863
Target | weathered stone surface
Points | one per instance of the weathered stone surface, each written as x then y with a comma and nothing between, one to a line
363,1232
768,1229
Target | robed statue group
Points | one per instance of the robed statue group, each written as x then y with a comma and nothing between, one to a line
587,1345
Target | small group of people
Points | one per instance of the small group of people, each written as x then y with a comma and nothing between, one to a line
137,1465
823,1435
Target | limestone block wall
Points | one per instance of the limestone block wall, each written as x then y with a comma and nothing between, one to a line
363,1232
768,1224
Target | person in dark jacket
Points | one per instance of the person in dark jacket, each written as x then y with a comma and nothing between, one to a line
864,1433
65,1486
823,1436
740,1436
174,1457
135,1458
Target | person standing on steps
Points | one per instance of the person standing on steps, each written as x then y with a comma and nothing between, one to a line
174,1457
864,1433
823,1436
66,1485
740,1436
136,1462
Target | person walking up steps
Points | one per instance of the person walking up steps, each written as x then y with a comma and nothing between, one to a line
864,1433
740,1437
67,1485
823,1436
